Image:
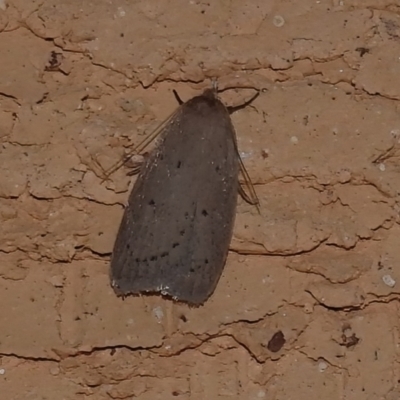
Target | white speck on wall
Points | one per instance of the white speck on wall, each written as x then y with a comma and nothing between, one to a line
294,139
93,45
322,366
388,280
261,394
395,133
121,12
382,167
158,313
2,371
244,155
278,21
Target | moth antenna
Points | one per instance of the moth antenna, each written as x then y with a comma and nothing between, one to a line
177,97
232,109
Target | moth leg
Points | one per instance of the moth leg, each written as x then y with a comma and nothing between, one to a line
140,147
250,198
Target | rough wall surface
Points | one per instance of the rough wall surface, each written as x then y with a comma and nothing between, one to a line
307,307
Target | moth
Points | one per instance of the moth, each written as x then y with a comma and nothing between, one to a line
176,229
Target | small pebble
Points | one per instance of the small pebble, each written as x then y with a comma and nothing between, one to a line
54,371
382,167
2,371
57,281
388,280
